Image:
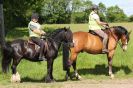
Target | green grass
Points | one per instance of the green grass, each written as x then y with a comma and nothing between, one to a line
89,66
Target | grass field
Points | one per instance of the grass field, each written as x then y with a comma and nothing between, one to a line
89,66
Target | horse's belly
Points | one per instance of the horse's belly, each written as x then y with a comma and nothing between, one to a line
94,45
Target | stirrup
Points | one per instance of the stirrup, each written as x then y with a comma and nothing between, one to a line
105,51
42,58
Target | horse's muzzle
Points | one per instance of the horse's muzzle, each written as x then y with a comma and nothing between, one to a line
124,47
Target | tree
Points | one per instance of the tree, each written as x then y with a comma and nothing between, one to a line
17,13
81,7
131,18
56,11
102,12
115,14
2,33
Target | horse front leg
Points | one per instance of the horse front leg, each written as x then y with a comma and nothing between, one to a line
49,77
75,71
15,75
72,61
67,74
110,57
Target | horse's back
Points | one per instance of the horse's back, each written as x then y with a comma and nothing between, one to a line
84,41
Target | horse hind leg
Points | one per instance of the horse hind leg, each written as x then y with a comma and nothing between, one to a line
72,60
15,75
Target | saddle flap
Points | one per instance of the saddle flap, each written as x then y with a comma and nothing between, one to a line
92,32
30,43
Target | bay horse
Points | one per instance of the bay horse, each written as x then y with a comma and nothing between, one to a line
20,49
90,43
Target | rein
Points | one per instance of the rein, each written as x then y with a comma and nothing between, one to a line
46,37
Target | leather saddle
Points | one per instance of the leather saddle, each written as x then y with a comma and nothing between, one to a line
93,33
30,42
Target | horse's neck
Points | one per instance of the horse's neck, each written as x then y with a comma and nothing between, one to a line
113,35
57,41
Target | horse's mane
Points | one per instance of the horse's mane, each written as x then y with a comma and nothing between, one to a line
120,30
55,32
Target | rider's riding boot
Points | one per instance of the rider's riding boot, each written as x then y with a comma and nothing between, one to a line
41,56
105,50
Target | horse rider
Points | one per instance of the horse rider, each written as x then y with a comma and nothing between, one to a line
35,33
96,25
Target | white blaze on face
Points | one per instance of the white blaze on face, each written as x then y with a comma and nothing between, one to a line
125,46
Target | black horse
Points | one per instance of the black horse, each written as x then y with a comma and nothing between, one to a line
19,49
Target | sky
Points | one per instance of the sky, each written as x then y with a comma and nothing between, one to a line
126,5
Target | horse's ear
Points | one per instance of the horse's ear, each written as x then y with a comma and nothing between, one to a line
130,32
66,28
69,27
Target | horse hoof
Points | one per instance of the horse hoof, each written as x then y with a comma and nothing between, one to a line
112,76
15,78
78,77
67,77
52,81
48,80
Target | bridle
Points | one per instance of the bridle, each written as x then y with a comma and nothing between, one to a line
47,37
117,39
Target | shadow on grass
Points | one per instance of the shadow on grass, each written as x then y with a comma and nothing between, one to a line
98,70
27,79
103,70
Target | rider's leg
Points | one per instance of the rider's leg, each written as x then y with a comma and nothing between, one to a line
105,39
41,56
39,42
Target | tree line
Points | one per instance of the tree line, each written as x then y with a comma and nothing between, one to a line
17,13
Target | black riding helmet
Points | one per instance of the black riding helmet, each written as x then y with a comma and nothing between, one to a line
94,7
35,16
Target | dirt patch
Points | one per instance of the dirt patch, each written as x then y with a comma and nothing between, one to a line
115,83
84,83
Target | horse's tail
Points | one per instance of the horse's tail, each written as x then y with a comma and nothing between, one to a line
7,52
66,63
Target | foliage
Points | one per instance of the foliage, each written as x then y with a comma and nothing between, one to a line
115,14
131,18
56,11
102,12
17,13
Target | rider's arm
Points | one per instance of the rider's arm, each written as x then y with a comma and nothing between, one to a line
35,29
96,17
100,22
43,32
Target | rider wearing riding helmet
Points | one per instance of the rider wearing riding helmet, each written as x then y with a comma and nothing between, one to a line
96,25
35,33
